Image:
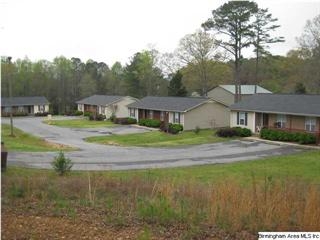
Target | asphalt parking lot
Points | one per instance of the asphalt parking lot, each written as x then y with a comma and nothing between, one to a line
90,156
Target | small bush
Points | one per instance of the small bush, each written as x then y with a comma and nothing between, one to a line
175,128
234,132
61,164
87,114
125,121
226,132
113,118
41,114
154,123
243,132
15,114
196,130
132,120
77,113
279,135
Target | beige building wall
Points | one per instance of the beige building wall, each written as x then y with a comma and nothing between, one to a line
250,121
221,95
208,115
121,107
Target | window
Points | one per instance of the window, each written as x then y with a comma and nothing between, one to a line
150,114
176,117
161,116
20,109
7,109
310,124
80,107
40,108
132,112
242,118
281,121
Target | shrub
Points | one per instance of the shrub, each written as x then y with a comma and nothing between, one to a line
113,118
243,132
100,117
196,130
41,114
77,113
132,120
226,132
125,121
61,164
279,135
175,128
87,114
234,132
154,123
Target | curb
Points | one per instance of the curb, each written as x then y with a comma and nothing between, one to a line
282,143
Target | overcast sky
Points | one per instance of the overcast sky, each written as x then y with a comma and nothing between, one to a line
113,30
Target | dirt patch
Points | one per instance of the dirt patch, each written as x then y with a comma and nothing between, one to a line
49,227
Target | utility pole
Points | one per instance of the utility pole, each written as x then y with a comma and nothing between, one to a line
10,97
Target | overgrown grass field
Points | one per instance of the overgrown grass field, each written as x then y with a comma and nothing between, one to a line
159,139
79,123
275,194
25,142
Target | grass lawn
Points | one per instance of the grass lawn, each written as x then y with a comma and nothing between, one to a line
159,139
79,123
301,166
284,194
25,142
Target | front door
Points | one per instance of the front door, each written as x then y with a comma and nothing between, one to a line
265,119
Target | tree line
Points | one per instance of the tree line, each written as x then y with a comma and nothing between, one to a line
201,61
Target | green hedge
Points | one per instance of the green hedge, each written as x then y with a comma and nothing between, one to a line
175,128
125,121
279,135
154,123
233,132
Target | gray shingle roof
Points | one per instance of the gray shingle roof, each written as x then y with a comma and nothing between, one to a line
172,104
245,89
307,105
23,101
99,100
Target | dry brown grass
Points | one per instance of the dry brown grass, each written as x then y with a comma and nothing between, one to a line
272,205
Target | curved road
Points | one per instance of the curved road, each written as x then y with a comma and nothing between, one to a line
92,156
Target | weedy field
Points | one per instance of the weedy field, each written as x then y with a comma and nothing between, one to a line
232,201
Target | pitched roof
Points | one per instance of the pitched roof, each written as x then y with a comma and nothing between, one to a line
245,89
172,104
99,100
23,101
306,105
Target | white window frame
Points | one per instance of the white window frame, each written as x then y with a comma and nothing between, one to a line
150,114
162,116
242,118
310,124
132,112
7,109
281,120
176,117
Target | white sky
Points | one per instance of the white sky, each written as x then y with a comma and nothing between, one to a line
113,30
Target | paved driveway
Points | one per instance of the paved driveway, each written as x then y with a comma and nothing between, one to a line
92,156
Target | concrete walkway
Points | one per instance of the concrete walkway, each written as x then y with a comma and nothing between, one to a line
92,156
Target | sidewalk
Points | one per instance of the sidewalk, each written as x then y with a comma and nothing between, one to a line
281,143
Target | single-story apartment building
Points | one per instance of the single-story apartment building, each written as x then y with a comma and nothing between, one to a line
291,112
191,112
106,105
226,93
25,105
